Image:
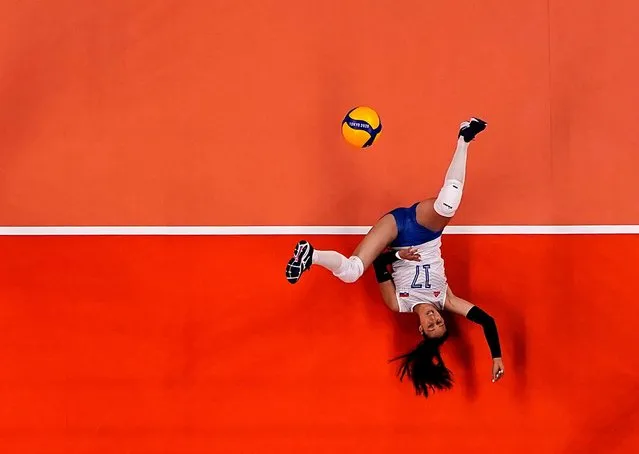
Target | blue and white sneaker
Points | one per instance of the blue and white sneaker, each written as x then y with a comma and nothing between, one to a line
301,261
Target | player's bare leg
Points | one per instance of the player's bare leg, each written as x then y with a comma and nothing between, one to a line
435,213
350,269
376,240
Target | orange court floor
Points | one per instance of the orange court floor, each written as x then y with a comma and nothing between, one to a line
172,344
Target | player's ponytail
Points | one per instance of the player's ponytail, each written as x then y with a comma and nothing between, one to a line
425,367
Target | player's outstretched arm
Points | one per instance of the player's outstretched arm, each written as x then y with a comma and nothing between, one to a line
475,314
385,279
387,289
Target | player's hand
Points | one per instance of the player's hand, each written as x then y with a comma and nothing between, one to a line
409,254
498,369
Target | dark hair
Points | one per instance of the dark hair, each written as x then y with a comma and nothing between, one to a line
425,367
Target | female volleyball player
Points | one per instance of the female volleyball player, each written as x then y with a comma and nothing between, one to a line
418,281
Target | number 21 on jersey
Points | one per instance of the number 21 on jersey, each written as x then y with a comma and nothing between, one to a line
424,278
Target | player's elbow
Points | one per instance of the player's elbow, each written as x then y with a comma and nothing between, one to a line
481,317
490,323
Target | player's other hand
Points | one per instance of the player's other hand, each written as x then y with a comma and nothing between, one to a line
498,369
409,254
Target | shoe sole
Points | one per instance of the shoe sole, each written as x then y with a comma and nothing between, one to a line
297,264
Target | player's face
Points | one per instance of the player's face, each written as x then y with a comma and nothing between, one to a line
433,324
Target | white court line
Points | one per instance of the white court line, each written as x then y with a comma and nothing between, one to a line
311,230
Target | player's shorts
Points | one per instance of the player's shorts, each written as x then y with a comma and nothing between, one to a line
409,231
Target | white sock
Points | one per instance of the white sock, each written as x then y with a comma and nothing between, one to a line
457,168
450,194
348,270
330,260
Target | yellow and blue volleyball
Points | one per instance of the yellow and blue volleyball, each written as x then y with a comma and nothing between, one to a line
361,127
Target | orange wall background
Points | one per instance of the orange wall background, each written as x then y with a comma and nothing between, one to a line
190,113
205,112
